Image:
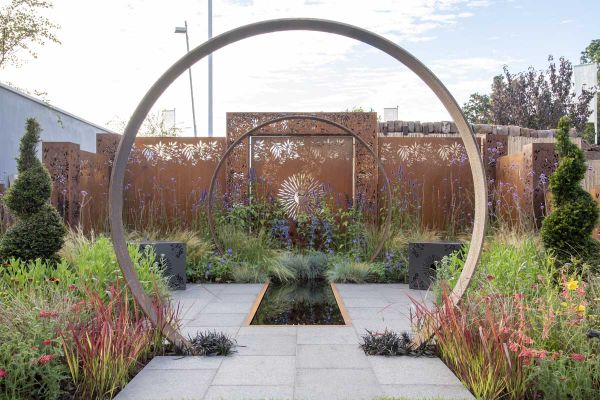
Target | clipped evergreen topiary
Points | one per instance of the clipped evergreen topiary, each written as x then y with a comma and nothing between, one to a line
568,229
39,231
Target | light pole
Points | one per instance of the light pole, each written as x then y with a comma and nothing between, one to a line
210,74
183,29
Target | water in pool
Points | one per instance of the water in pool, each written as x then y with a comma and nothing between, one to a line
308,303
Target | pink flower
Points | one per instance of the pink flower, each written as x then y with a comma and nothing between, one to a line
577,357
45,359
519,296
3,373
72,287
48,314
47,342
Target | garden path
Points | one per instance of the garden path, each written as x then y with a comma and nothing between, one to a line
294,362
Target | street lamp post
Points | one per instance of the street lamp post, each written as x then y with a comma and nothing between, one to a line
210,74
184,29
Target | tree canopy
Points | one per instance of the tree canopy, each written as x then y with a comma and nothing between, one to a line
22,27
532,99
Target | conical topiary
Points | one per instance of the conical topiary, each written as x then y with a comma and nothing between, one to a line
39,231
568,229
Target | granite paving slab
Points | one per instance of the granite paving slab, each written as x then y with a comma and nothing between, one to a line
294,362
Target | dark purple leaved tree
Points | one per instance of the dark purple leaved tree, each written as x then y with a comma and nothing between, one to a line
537,99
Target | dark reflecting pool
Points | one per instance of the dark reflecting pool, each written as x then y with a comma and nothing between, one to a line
311,303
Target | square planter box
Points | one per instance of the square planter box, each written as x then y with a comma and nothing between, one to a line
422,257
172,255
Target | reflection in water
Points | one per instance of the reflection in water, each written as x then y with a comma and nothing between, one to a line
310,303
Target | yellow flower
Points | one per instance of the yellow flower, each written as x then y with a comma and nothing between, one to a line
572,284
581,308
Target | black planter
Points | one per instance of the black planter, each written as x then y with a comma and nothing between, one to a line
172,255
422,257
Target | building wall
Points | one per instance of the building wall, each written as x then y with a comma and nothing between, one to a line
57,126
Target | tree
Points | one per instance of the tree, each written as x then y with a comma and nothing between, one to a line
39,231
533,99
478,109
591,54
568,229
155,124
22,27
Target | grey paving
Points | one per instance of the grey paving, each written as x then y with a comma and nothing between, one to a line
294,362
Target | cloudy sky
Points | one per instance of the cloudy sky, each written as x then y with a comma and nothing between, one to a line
113,50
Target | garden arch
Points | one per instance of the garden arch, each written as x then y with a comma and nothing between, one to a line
259,28
326,121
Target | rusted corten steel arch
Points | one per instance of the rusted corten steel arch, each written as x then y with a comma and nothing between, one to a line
259,28
348,132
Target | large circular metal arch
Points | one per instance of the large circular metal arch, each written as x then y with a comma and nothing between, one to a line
259,28
251,132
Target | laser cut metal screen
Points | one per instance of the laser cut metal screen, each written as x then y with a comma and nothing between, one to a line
300,170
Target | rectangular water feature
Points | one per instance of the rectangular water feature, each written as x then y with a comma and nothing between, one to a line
307,303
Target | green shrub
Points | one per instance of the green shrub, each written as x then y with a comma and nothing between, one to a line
30,351
38,231
509,264
567,230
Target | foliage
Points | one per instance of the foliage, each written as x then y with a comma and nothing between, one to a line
538,99
589,133
473,340
389,343
30,351
198,250
478,109
155,124
243,247
311,266
591,54
97,268
532,310
509,262
24,27
102,351
346,271
39,230
212,343
567,230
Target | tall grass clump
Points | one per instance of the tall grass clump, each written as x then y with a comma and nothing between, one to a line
306,267
473,340
253,249
346,271
95,263
104,350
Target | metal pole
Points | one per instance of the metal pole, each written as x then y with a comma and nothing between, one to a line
210,74
187,43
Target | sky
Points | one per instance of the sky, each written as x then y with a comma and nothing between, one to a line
112,51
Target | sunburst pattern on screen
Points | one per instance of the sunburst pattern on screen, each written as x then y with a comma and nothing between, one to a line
300,193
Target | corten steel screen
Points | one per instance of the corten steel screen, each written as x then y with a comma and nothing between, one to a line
167,179
288,166
430,179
